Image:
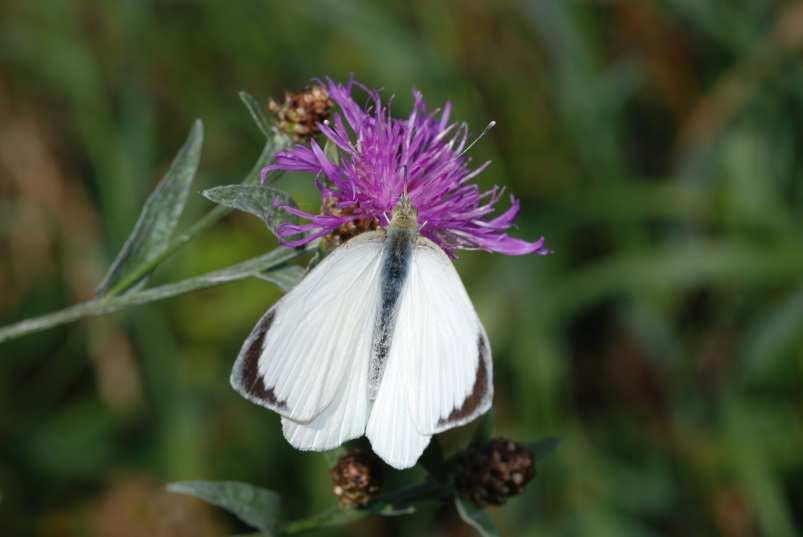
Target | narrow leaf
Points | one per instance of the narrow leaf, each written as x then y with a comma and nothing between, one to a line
159,215
543,448
253,505
256,113
286,277
261,201
477,518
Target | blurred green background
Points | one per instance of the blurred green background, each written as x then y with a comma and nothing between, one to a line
657,145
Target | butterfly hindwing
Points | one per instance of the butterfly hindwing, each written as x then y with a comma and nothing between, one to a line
438,373
449,373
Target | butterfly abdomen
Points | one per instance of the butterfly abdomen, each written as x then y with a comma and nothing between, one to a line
396,256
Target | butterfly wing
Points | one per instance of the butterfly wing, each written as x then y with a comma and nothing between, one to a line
439,373
302,357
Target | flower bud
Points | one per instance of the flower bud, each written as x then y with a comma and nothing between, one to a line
492,473
348,229
356,478
301,112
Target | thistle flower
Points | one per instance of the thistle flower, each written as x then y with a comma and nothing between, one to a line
378,158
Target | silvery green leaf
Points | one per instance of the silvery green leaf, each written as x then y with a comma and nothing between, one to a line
253,505
542,448
261,201
286,277
477,518
256,113
159,215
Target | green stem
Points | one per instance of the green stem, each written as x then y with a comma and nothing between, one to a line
105,305
385,504
331,517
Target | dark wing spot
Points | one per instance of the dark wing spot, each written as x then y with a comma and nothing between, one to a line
474,399
251,381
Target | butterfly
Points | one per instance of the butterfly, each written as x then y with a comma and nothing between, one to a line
380,339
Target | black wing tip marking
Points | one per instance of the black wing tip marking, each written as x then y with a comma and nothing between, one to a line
479,396
245,376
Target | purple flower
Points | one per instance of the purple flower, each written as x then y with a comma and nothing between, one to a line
377,155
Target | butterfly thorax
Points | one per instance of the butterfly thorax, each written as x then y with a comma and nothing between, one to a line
404,215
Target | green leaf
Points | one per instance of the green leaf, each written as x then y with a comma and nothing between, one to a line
261,201
159,216
286,277
542,448
477,518
253,505
257,113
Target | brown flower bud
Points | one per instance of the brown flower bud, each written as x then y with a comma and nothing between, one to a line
348,230
356,478
301,112
491,473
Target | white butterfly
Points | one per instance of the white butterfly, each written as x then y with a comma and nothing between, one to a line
379,339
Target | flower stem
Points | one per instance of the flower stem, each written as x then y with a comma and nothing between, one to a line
245,269
392,503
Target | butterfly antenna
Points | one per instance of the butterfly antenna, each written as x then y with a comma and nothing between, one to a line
404,181
487,128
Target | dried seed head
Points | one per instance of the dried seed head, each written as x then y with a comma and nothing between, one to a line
356,478
491,473
347,229
301,112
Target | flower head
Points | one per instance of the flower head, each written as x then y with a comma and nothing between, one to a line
356,477
378,158
301,112
493,472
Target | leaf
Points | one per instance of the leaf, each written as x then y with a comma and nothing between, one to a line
286,277
542,448
257,113
256,506
477,518
159,216
261,201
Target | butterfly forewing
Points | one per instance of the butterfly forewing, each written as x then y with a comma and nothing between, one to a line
301,355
